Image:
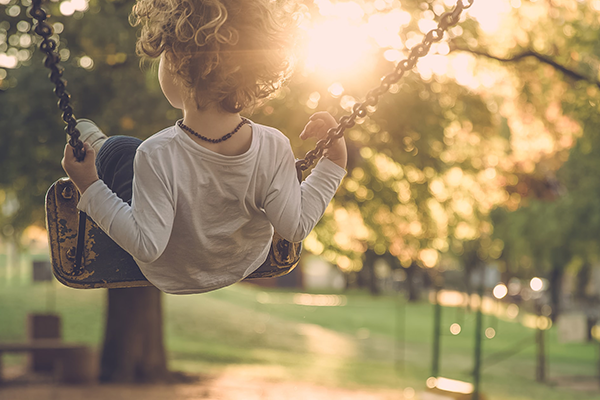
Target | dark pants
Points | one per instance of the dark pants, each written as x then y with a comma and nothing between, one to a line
114,163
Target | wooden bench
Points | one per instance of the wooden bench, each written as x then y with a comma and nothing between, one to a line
74,362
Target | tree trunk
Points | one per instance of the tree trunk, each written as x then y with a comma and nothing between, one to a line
413,282
134,348
471,263
582,279
369,266
540,369
555,291
555,283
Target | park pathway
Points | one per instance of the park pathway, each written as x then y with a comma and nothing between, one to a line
216,390
227,386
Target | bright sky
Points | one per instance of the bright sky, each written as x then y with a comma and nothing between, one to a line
343,40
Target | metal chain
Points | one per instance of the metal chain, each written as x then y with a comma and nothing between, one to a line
52,60
360,110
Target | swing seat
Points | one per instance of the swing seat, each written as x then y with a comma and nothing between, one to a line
85,257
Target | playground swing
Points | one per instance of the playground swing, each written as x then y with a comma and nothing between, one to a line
83,256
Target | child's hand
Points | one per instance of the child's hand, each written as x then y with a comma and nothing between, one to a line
83,173
317,126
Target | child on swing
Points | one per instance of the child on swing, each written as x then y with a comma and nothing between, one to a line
196,203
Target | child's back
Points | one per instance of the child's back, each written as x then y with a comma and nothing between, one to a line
201,220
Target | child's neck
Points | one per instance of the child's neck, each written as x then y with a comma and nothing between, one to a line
214,123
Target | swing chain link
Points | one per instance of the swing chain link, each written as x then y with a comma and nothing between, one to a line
360,110
51,61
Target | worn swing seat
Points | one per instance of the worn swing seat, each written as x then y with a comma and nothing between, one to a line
84,257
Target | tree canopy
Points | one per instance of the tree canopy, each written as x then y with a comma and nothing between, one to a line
501,114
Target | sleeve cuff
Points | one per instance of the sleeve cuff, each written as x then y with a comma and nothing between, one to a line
91,192
327,166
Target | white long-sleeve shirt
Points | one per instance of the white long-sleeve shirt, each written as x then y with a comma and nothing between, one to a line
200,220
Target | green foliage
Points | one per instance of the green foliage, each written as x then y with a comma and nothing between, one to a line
425,170
113,92
560,223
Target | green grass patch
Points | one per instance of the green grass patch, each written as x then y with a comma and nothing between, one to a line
363,342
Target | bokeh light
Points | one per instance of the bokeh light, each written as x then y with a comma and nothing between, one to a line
429,257
543,323
455,329
500,291
514,286
336,89
431,382
86,62
14,11
536,284
512,311
8,61
69,7
596,332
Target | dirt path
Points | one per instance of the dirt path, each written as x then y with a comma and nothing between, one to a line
223,387
271,391
214,391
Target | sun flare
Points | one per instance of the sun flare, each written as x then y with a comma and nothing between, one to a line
343,37
336,46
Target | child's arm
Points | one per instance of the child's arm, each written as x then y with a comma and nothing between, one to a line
142,229
295,209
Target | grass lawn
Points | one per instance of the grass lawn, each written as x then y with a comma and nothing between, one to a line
363,342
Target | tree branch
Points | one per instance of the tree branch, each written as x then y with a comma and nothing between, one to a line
529,53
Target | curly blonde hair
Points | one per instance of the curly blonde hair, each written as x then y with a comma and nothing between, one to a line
228,52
